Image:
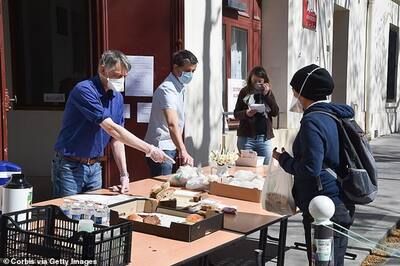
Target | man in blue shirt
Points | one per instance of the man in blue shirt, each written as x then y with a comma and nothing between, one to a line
167,118
93,117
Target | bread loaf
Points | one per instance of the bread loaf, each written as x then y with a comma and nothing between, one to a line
135,217
152,219
166,194
194,218
155,190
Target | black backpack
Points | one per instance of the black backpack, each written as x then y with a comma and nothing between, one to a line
358,173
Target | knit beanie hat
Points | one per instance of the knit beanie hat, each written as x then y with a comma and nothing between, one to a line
318,85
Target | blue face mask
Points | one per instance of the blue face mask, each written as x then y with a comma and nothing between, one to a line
186,77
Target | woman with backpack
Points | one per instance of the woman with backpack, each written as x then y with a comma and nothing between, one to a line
255,108
316,152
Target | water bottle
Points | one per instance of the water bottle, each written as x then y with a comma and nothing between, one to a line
98,214
66,208
76,211
108,245
85,225
106,215
101,215
82,206
90,211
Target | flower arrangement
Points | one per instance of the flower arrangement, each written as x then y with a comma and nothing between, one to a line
223,157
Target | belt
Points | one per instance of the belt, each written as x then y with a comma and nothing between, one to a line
83,160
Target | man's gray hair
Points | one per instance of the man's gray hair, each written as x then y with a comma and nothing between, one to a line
111,57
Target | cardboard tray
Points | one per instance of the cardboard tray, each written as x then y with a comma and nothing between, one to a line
178,231
236,192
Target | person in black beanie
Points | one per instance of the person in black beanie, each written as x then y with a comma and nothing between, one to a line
315,159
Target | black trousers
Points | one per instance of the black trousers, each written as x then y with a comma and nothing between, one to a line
344,216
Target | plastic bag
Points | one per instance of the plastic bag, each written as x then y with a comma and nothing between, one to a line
244,175
277,191
198,183
183,174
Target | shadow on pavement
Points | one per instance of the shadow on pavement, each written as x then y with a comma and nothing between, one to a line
239,254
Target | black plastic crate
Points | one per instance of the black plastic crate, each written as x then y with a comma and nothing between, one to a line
45,233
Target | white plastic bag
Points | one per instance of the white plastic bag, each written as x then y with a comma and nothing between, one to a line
199,182
277,191
183,174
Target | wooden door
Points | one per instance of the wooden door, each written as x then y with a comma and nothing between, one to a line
244,23
142,27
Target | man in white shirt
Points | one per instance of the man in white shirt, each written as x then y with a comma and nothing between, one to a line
167,117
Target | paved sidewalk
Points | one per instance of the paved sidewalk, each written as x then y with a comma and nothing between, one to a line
371,221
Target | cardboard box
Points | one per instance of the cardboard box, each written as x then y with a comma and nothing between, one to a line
249,158
178,231
250,161
236,192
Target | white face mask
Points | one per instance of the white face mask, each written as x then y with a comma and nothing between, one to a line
296,106
116,84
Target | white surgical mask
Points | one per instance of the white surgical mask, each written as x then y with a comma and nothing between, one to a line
116,84
296,106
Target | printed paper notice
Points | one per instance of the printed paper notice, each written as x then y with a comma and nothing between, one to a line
127,111
234,87
143,112
139,81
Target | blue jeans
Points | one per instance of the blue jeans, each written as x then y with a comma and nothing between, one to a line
165,168
70,178
259,144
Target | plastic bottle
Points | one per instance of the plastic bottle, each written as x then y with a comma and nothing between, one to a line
102,215
108,245
98,214
66,208
76,211
90,211
82,206
85,225
106,213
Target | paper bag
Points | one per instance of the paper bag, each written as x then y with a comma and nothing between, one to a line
277,191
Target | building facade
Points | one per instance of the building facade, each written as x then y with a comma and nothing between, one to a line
49,45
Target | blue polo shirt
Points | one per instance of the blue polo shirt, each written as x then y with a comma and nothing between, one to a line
87,106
